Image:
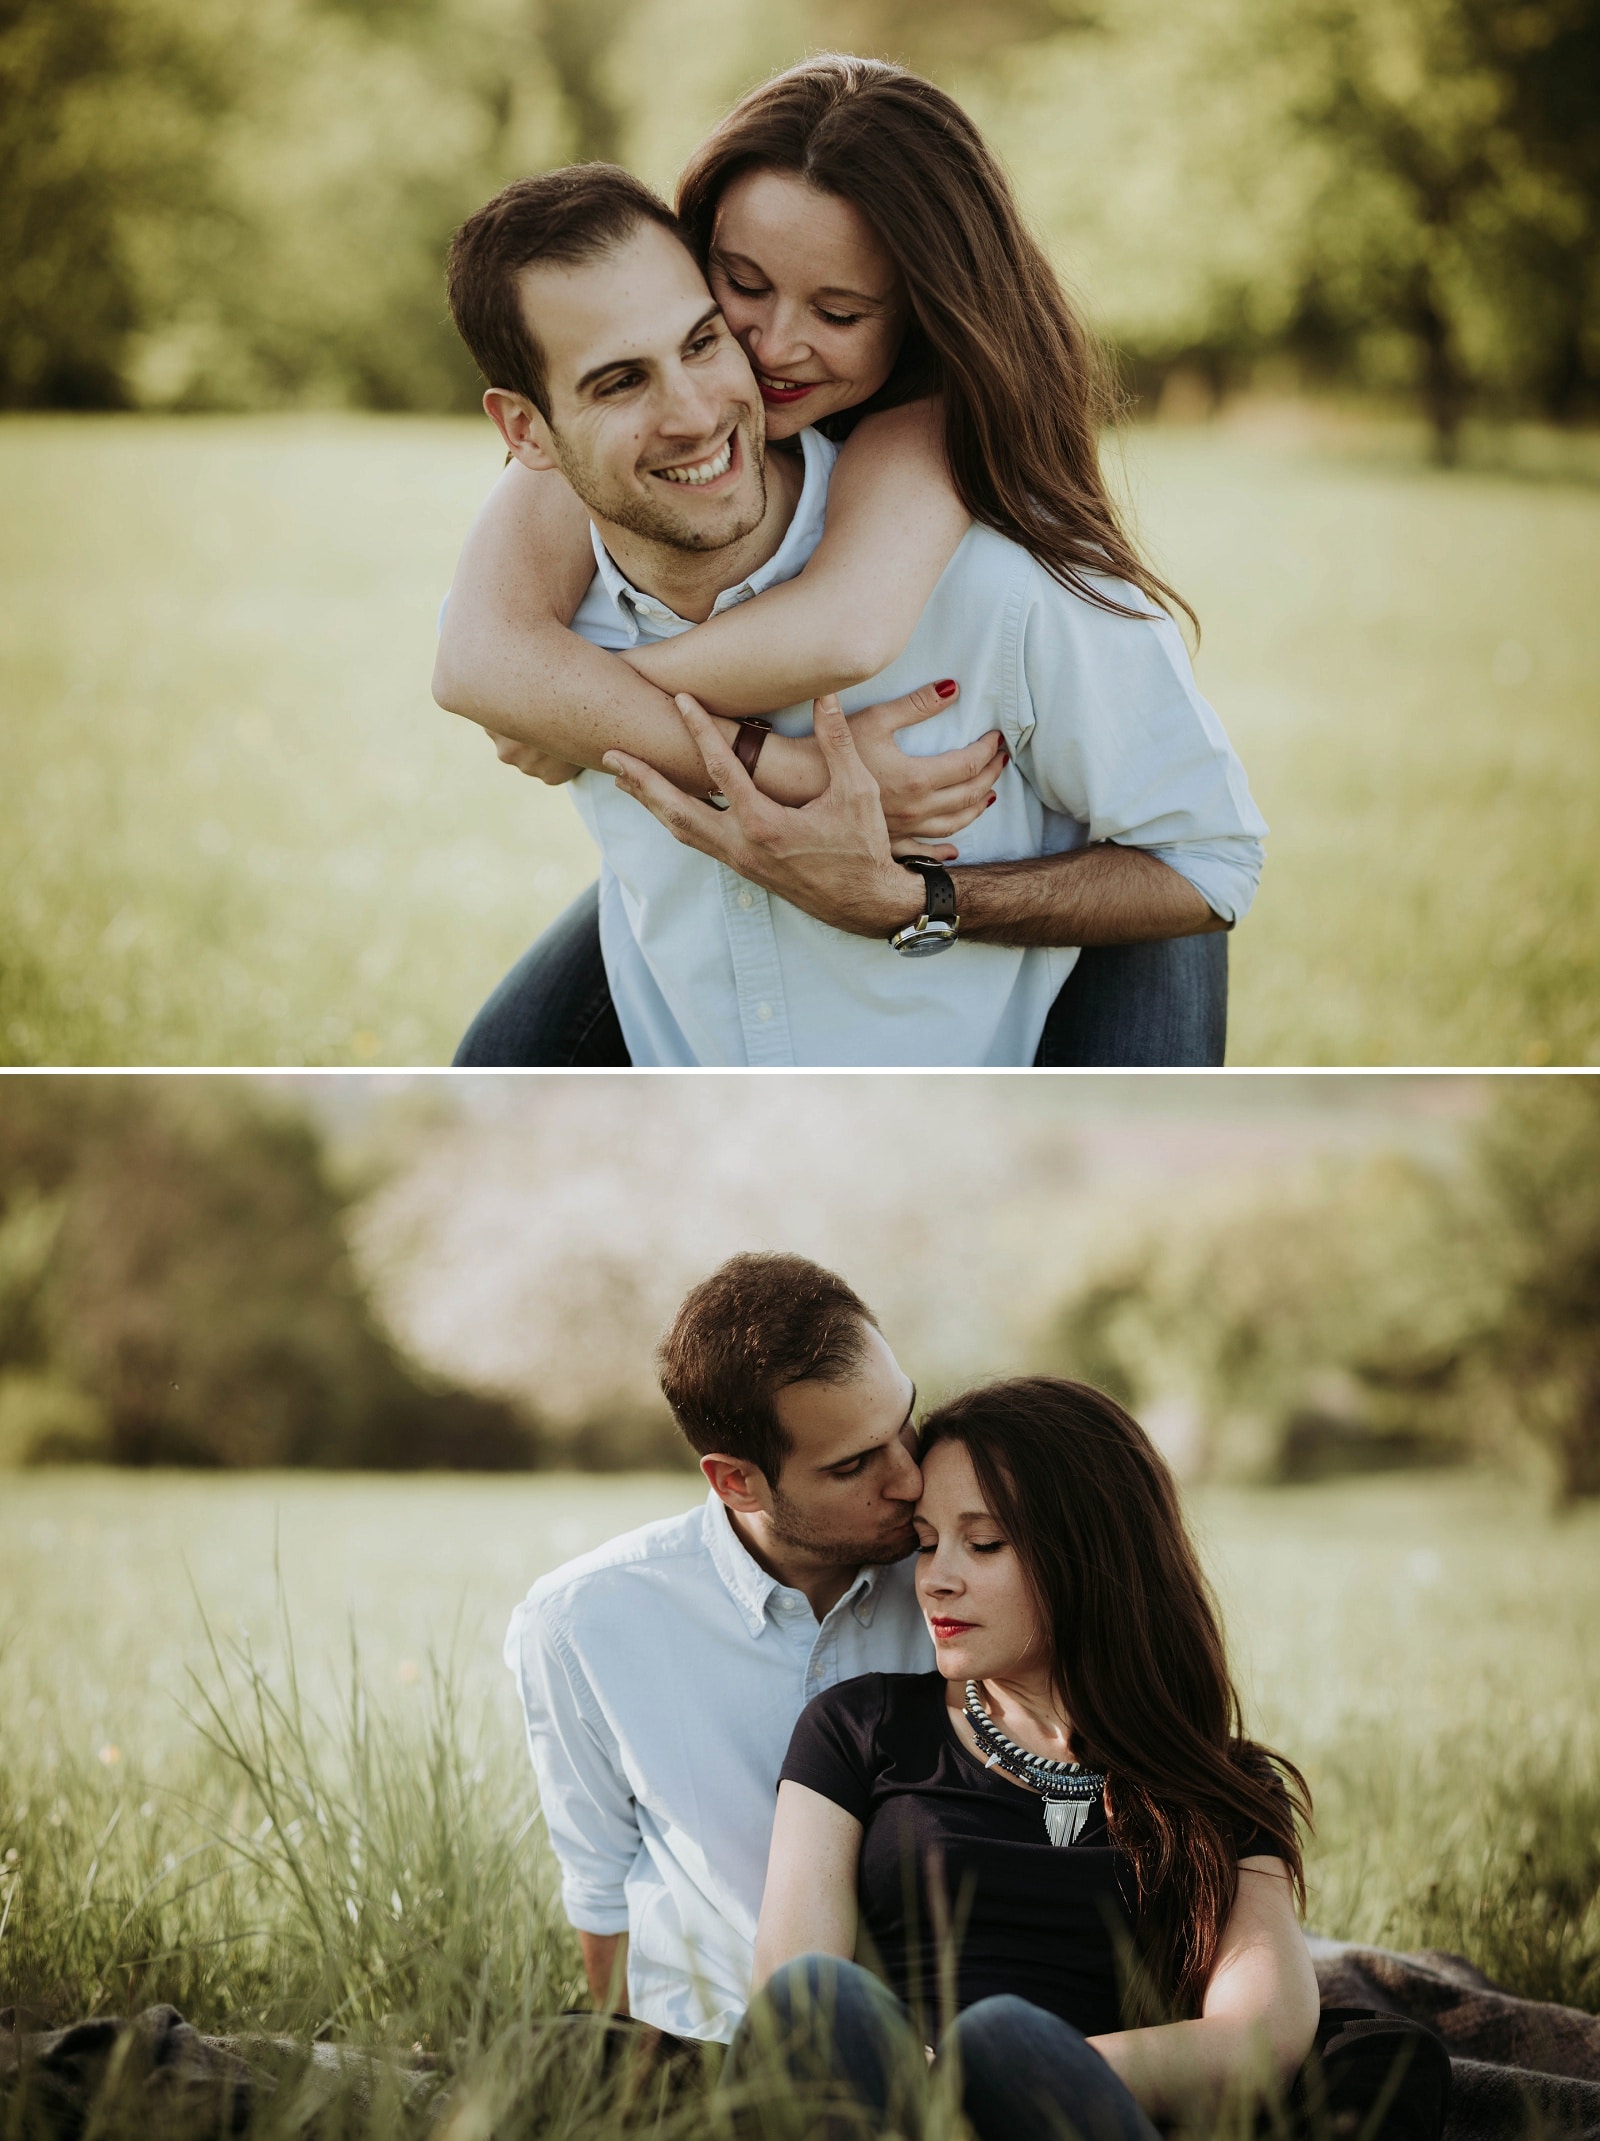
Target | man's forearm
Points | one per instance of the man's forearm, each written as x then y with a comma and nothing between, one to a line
1095,895
605,1965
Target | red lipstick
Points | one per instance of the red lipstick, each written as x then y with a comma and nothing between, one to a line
947,1631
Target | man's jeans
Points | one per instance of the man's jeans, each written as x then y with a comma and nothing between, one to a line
828,2033
1122,1005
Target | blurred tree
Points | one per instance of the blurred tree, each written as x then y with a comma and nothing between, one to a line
1461,179
582,46
942,37
178,1259
1308,1331
108,115
1539,1230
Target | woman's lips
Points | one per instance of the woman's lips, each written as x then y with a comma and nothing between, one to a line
946,1631
797,391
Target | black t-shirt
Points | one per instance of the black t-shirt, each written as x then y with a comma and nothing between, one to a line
947,1842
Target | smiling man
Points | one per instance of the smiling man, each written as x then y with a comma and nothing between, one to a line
661,1675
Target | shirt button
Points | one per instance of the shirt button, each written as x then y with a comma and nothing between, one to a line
747,898
763,1011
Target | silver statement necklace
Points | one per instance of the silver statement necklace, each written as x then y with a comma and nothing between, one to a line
1068,1789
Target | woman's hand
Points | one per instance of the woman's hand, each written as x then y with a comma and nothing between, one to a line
1257,2019
926,799
528,758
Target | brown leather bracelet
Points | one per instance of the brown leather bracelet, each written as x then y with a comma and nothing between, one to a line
748,739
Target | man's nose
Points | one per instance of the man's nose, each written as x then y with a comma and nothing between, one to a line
691,408
905,1481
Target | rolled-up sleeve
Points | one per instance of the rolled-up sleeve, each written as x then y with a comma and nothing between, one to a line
584,1795
1114,733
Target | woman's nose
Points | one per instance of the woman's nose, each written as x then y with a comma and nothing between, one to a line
774,342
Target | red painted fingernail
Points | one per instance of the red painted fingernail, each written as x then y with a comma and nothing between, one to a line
1005,758
992,799
947,689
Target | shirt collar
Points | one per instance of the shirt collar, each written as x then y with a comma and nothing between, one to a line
799,541
750,1586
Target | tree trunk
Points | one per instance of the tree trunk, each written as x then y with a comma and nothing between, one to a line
1443,385
1579,1447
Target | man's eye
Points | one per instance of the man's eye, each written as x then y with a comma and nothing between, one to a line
700,344
853,1470
622,385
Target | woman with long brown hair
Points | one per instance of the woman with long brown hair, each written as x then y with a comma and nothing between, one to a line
865,248
1067,1856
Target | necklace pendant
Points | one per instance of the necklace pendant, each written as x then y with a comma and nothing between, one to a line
1063,1818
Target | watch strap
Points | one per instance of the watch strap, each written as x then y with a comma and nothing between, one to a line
939,892
748,738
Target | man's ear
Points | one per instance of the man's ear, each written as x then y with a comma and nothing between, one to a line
525,431
737,1483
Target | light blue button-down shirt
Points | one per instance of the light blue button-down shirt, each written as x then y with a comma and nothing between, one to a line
661,1677
1110,740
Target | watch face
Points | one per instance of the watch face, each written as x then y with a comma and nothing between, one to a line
921,941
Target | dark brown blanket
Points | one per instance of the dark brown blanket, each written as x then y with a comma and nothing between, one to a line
1516,2065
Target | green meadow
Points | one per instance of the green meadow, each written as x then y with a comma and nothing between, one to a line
235,829
259,1756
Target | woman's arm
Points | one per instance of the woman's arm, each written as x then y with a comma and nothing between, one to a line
809,1904
508,661
894,522
1258,2017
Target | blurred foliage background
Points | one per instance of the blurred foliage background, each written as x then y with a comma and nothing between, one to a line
1330,239
243,204
1286,1279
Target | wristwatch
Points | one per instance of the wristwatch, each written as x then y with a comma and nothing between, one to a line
938,926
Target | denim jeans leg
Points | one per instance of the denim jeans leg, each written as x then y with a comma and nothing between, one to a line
1130,1004
1025,2071
553,1010
825,2037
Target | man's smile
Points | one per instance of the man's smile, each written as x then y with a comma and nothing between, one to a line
710,469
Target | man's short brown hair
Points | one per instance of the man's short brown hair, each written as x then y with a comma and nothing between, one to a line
558,218
758,1324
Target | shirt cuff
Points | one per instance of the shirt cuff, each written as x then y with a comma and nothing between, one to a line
588,1912
1225,873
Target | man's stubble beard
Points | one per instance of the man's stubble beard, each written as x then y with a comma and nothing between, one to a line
656,522
790,1528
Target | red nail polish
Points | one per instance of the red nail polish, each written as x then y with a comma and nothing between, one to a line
992,799
1005,758
947,689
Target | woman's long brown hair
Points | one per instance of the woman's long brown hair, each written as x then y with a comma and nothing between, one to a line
1092,1512
1024,385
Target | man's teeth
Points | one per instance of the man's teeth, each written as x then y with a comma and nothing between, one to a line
702,471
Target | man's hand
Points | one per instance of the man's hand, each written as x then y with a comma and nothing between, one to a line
926,799
528,758
605,1965
831,857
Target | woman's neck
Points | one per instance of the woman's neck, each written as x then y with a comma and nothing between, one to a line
1027,1709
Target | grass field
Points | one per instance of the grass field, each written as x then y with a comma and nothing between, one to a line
234,828
344,1844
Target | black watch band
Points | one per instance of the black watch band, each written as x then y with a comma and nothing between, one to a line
939,924
939,892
